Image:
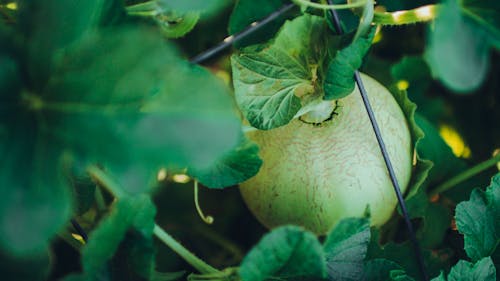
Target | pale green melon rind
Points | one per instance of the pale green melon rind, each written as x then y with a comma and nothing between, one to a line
422,166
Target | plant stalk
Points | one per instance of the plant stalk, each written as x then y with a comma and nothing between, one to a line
465,175
113,187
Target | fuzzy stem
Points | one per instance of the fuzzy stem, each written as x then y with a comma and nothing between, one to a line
466,175
420,14
329,7
113,187
189,257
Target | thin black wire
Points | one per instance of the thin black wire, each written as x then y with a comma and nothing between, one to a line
385,154
79,229
238,36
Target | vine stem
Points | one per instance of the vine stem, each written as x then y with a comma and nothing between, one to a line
420,14
306,3
114,188
466,175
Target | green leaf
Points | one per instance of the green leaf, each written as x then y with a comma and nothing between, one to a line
138,103
345,249
246,12
172,23
486,14
422,166
435,149
404,255
456,50
42,22
483,270
236,166
35,202
270,83
379,269
84,193
177,26
339,81
400,275
477,219
135,213
286,252
207,7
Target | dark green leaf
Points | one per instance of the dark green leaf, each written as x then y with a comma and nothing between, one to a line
456,51
84,193
286,252
35,201
172,23
422,166
400,275
234,167
269,84
477,219
404,255
339,81
433,148
483,270
345,249
53,24
486,14
248,11
207,7
379,270
135,213
138,103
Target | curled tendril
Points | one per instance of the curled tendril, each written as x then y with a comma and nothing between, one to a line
206,219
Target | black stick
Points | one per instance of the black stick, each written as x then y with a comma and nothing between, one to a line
385,154
238,36
79,229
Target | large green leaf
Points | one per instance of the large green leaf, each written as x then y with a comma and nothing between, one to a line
339,77
485,13
483,270
236,166
54,24
456,50
35,201
138,111
270,83
248,11
286,252
128,213
477,219
345,249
